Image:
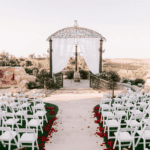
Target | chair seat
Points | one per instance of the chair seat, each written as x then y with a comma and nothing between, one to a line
25,104
107,113
34,122
117,105
20,113
112,123
28,137
12,104
129,105
39,105
10,121
142,104
6,136
145,135
146,121
124,136
133,123
105,106
123,113
40,113
137,112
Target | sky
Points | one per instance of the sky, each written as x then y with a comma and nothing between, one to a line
26,24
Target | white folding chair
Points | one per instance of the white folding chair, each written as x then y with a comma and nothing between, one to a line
25,104
105,113
105,104
135,120
125,135
38,103
8,136
144,134
40,112
107,96
28,136
33,121
121,110
19,112
112,122
9,119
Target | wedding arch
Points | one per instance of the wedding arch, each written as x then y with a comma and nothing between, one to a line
62,42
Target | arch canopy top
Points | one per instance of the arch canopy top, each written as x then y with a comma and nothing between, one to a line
76,32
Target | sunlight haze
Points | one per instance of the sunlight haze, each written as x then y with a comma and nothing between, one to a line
26,24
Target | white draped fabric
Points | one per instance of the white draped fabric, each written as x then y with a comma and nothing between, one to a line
63,48
90,51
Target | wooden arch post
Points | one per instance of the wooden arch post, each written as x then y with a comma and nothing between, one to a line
50,57
100,58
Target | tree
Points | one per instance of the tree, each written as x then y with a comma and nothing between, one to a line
113,79
4,58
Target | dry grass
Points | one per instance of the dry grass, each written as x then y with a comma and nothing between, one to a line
126,67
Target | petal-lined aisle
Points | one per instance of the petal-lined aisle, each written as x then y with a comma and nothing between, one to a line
75,127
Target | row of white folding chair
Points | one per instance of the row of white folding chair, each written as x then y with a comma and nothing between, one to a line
116,107
10,119
23,102
115,110
18,111
40,112
9,102
28,136
38,105
123,136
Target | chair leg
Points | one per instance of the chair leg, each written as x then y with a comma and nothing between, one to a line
9,145
37,145
16,142
133,144
119,145
115,144
41,129
46,118
3,143
144,145
32,145
105,129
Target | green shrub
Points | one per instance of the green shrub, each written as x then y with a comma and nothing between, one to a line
31,85
70,74
113,75
28,63
35,69
125,81
104,75
139,81
132,82
29,71
22,59
44,75
84,74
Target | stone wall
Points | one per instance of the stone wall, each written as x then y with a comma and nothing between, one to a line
59,80
97,83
